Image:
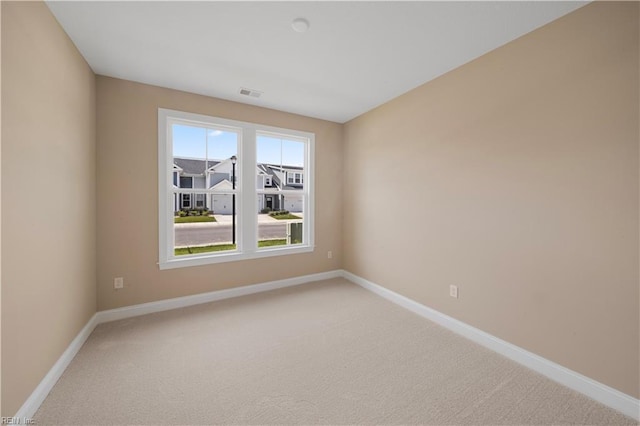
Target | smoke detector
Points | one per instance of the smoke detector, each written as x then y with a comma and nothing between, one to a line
250,92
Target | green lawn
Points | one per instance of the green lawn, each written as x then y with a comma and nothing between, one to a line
224,247
270,243
286,216
194,219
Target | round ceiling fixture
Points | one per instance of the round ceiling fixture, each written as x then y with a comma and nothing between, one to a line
300,25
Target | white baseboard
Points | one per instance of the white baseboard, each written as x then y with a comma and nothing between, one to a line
196,299
36,398
604,394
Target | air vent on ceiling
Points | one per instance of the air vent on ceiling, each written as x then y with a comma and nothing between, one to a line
250,92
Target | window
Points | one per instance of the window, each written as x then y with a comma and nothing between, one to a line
186,201
295,178
277,153
199,200
186,182
216,164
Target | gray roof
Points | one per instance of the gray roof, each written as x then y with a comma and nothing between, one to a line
193,167
284,167
270,168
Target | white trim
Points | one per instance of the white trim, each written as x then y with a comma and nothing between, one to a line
209,191
197,299
37,397
165,150
600,392
247,224
227,184
233,256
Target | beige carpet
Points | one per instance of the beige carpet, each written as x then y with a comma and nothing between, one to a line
322,353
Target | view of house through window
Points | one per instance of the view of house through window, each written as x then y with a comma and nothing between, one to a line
211,210
280,201
204,158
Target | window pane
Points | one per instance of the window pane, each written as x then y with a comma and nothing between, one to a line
199,230
283,224
204,158
280,216
279,151
281,162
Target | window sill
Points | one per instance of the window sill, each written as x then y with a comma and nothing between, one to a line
206,259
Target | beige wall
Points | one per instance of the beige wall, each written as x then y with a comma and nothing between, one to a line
128,197
514,177
48,197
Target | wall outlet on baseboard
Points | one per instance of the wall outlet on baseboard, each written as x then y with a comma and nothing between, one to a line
118,282
453,291
329,254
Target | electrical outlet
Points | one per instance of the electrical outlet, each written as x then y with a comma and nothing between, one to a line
118,282
329,254
453,291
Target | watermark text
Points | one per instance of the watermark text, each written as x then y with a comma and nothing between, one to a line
17,421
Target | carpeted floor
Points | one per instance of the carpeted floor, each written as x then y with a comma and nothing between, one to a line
323,353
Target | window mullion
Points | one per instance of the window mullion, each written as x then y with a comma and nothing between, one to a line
309,190
249,195
165,163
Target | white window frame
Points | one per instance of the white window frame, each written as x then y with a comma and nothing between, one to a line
182,206
292,176
246,192
200,200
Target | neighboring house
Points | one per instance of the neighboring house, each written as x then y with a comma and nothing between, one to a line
273,179
214,174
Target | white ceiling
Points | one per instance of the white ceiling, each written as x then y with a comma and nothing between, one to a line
355,56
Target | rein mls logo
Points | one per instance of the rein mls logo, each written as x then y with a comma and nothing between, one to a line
17,421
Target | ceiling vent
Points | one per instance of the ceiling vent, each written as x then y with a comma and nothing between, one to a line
250,92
